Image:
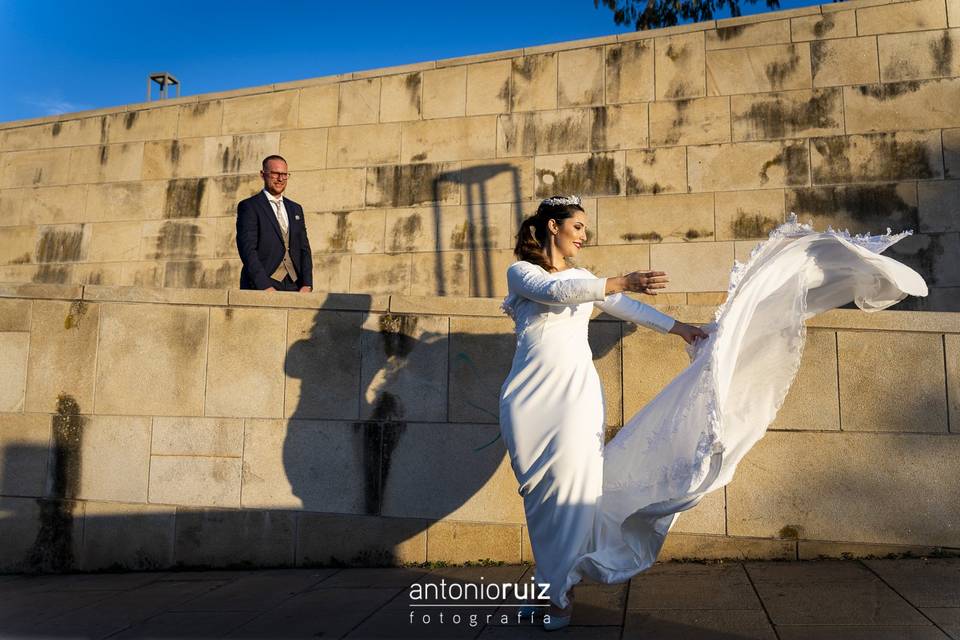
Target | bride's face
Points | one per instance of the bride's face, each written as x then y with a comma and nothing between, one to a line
571,234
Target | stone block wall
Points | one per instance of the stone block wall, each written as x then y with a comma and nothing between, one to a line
688,144
149,428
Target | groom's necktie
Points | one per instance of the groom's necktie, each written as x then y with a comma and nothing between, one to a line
286,266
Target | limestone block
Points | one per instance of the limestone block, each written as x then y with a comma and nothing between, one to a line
742,215
580,73
76,133
680,66
445,92
622,126
42,291
789,114
184,198
12,203
106,163
650,361
230,538
244,363
63,243
226,237
94,273
24,444
757,69
222,194
23,138
448,228
221,437
412,184
18,244
331,272
380,273
198,481
63,354
695,121
844,61
32,168
709,516
495,263
891,382
364,145
400,97
264,112
172,354
481,352
653,171
953,13
458,542
351,231
102,293
329,189
57,524
858,208
15,315
488,87
115,456
900,57
449,139
179,239
702,266
747,165
873,488
134,537
359,101
902,16
442,273
951,153
164,159
534,82
238,154
200,119
587,174
813,403
662,218
158,123
124,201
203,274
939,204
876,157
48,205
490,181
952,352
932,256
681,546
748,35
114,241
404,368
312,465
898,106
542,132
629,72
611,260
49,274
840,24
318,343
305,149
360,540
315,300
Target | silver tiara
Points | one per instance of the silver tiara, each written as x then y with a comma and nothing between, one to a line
561,201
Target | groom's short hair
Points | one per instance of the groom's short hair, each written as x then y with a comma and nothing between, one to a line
273,157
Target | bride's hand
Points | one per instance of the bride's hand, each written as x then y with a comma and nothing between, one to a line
645,281
688,332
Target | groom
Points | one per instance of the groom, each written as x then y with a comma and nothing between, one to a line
272,236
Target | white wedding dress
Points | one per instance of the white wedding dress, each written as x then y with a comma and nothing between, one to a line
604,512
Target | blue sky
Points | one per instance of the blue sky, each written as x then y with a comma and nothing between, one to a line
68,56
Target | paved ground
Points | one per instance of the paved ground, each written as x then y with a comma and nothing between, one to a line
869,600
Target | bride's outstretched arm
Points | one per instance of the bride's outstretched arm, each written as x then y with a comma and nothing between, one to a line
625,308
530,281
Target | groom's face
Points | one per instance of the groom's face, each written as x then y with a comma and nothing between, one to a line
275,177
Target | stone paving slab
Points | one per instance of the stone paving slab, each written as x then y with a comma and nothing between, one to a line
915,599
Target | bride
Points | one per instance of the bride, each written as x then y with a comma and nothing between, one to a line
604,512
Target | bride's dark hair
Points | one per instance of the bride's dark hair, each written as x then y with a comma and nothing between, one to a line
532,236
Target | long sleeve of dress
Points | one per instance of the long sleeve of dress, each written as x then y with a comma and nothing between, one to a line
530,281
626,308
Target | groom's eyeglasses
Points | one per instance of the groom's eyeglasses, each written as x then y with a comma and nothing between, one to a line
278,175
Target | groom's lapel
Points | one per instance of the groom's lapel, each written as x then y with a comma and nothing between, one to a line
271,216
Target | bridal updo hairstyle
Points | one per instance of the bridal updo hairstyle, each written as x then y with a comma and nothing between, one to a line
532,236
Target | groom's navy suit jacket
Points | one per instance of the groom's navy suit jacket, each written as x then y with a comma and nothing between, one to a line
260,242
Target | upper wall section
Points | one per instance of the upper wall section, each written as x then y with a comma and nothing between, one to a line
687,143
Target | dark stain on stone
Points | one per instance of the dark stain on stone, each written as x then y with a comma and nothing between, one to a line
789,532
679,120
922,253
104,127
675,52
598,128
755,225
823,26
405,231
793,158
888,91
866,206
412,82
596,176
504,93
53,547
174,152
778,117
78,309
693,234
889,159
184,198
391,434
729,33
777,72
369,435
397,335
176,240
941,50
410,184
56,129
419,157
130,118
652,236
462,236
341,238
52,274
526,67
60,245
104,154
818,54
24,259
192,274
